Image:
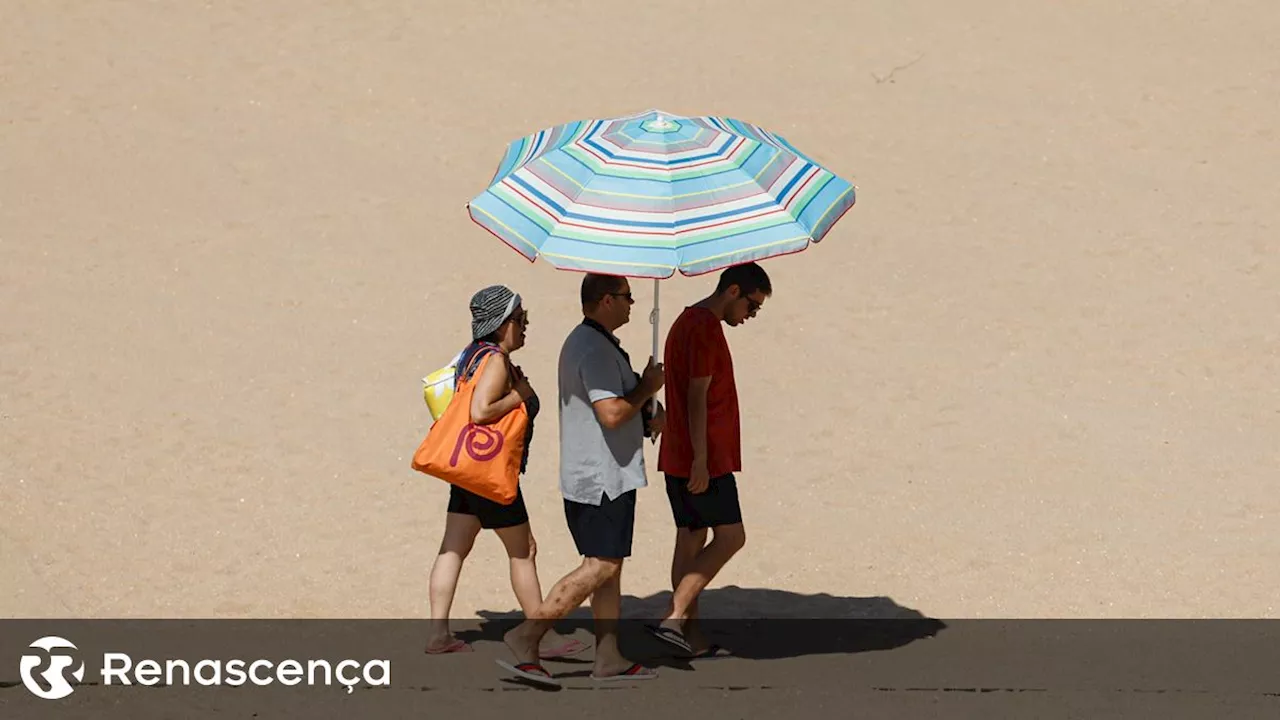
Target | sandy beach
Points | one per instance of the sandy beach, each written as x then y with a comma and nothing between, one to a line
1031,374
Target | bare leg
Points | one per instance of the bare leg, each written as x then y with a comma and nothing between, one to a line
688,544
522,551
460,533
567,595
606,608
726,541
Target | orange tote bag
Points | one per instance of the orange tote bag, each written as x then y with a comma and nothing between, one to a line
483,459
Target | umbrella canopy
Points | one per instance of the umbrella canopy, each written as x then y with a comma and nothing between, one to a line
651,194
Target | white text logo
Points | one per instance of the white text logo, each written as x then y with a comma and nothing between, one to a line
116,669
120,669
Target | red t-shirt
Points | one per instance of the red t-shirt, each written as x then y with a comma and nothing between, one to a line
696,347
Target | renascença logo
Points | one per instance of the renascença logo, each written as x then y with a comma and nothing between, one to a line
120,669
55,684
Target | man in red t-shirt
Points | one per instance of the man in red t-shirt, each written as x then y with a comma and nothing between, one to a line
702,446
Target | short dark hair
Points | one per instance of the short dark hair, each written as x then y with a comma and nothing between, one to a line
749,277
595,287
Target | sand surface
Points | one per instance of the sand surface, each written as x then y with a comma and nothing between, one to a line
1032,374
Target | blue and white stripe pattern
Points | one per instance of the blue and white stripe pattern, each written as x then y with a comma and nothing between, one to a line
650,194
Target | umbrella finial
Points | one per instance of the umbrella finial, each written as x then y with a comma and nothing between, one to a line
660,123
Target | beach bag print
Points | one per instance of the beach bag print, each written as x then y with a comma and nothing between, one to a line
483,459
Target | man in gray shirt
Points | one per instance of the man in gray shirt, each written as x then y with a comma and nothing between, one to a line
603,424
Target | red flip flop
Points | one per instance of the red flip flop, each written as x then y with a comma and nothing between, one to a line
532,672
635,672
456,646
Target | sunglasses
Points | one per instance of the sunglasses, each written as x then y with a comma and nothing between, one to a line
626,295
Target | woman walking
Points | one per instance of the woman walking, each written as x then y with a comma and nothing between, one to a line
498,325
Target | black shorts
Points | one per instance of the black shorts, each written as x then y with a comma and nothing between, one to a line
604,530
492,515
717,506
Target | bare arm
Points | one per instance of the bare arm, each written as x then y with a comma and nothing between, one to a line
698,418
615,412
494,397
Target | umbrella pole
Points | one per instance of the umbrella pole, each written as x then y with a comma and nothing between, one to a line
653,318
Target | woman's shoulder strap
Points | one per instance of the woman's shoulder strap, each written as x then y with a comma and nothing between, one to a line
468,365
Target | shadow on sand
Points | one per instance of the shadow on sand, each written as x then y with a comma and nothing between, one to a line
751,623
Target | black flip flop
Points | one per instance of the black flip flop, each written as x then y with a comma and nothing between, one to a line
669,636
713,652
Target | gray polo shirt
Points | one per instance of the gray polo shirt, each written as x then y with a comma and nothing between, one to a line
596,461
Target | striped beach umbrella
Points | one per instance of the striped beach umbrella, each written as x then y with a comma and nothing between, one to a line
647,195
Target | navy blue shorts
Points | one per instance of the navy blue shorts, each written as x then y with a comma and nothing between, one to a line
604,530
717,506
